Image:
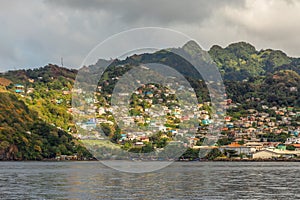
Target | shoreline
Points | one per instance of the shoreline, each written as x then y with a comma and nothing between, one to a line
198,160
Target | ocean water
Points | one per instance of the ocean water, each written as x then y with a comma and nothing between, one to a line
180,180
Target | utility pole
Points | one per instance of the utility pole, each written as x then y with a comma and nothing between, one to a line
62,61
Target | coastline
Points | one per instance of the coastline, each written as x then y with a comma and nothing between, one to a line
198,160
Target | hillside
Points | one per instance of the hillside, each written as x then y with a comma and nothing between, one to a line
36,115
247,73
262,81
241,60
24,136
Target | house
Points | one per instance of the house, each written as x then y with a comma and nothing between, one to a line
89,125
66,92
101,111
30,90
19,88
255,146
227,119
89,100
297,147
149,94
206,122
124,94
270,153
292,140
265,154
239,149
229,101
293,89
174,132
296,133
144,139
162,128
123,137
139,143
281,147
229,125
66,157
59,101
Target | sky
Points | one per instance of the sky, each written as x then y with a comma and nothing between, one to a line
37,32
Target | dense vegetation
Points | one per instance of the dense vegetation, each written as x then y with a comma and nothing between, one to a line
241,61
33,128
269,75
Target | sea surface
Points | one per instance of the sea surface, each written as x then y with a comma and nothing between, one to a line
180,180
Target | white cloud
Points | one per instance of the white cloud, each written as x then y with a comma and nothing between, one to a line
268,24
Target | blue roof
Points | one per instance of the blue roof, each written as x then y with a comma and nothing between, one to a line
91,123
19,91
296,133
206,121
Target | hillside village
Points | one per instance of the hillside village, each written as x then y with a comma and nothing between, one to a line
267,133
261,119
270,132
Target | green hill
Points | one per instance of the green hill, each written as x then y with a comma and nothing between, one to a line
241,60
247,73
36,122
24,136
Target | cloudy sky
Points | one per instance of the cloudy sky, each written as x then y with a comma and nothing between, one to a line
34,33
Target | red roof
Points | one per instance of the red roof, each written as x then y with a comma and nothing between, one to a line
296,145
234,144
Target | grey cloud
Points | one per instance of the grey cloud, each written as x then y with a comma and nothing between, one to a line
155,11
47,30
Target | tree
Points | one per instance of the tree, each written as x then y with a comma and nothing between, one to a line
162,143
241,142
290,148
106,129
147,148
116,137
191,154
224,141
213,154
